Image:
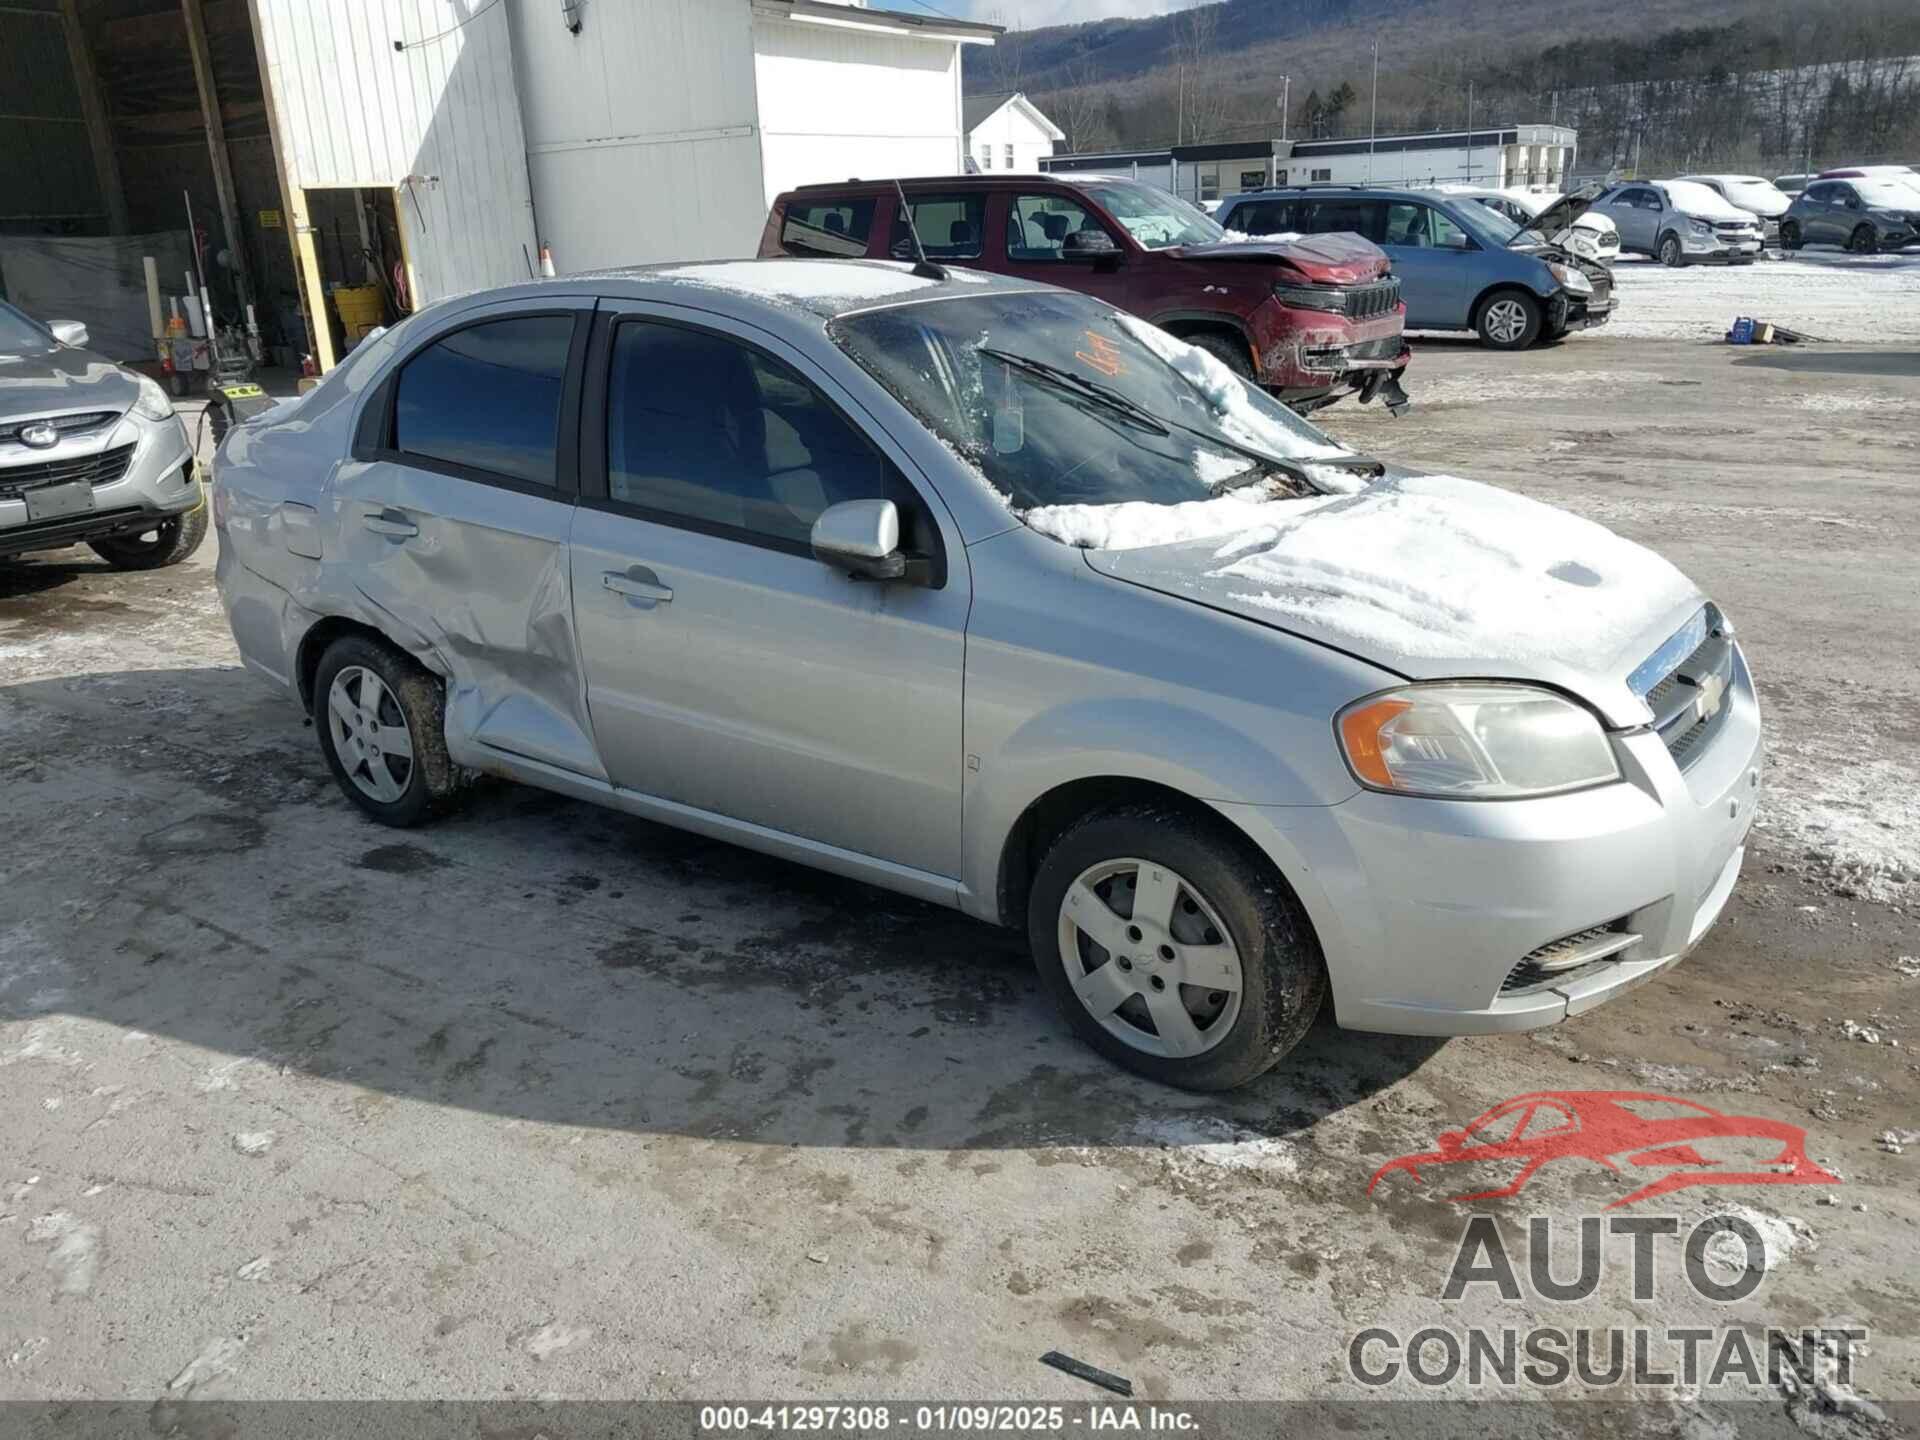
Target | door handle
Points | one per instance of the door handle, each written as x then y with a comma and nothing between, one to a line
390,523
639,585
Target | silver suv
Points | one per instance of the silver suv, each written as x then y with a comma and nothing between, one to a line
987,593
90,453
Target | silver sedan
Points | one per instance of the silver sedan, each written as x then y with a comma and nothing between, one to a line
984,592
90,452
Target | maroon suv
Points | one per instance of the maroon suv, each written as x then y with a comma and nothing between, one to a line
1310,317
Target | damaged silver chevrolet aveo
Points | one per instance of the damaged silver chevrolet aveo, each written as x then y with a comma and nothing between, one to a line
987,593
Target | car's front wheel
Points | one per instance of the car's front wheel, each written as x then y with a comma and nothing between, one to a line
1509,320
1790,235
1672,254
381,718
168,543
1172,949
1861,242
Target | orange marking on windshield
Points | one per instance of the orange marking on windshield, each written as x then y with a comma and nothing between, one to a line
1105,356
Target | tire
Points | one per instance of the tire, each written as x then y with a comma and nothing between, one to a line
1508,320
172,541
1212,885
1862,241
1790,235
1671,253
363,683
1229,350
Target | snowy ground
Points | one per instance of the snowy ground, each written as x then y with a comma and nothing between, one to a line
1862,299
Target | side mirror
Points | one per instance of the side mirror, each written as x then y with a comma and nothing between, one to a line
1088,245
68,332
861,536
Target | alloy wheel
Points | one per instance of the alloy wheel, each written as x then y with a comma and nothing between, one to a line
369,733
1149,958
1506,321
1670,251
1862,242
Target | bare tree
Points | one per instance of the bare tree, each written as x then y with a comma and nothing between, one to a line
1204,96
1079,109
1005,60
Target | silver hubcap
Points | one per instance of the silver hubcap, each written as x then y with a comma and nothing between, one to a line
1670,251
1506,321
1149,958
369,734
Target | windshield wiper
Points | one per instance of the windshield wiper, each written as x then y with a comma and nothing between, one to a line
1093,390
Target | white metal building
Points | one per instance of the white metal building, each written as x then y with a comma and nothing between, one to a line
1009,132
1523,157
615,133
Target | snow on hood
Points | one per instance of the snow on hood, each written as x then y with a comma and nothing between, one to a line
1427,575
1339,256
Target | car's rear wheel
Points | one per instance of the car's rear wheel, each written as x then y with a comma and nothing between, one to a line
1508,320
1861,242
1672,254
381,718
168,543
1172,949
1790,235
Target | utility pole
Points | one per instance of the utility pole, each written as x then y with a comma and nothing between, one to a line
1469,132
1373,109
1286,89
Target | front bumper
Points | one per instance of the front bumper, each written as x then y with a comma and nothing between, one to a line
1314,356
158,482
1723,249
1426,909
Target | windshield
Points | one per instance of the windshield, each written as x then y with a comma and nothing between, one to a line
19,335
1489,227
1058,399
1155,218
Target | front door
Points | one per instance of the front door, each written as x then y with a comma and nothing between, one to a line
1430,255
1055,239
727,669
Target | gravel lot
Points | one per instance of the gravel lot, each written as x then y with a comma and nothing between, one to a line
546,1101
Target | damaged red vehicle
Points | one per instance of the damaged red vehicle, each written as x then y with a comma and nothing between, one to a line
1311,318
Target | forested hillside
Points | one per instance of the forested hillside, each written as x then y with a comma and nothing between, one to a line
1761,84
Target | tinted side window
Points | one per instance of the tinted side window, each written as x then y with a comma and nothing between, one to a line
1264,217
487,397
1363,217
1846,197
1820,194
702,427
949,227
827,227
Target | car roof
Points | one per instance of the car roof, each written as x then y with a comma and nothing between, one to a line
953,182
769,288
1364,192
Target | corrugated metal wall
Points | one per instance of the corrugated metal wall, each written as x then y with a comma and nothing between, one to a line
352,111
46,163
839,102
641,140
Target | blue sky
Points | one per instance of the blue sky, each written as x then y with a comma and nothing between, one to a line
1025,14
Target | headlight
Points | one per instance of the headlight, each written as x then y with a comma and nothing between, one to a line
1572,279
1310,297
1701,227
1463,741
152,401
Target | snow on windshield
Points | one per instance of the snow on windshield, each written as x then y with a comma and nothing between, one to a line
1692,198
1440,567
1243,418
805,279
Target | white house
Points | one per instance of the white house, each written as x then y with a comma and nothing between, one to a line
1008,132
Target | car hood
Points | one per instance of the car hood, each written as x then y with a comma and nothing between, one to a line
50,381
1342,258
1434,577
1558,216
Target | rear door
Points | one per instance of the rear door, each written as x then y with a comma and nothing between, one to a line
452,514
727,669
1432,256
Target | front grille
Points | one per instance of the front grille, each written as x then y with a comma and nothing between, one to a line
1689,697
1367,302
63,424
1570,956
1734,229
1602,290
101,469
